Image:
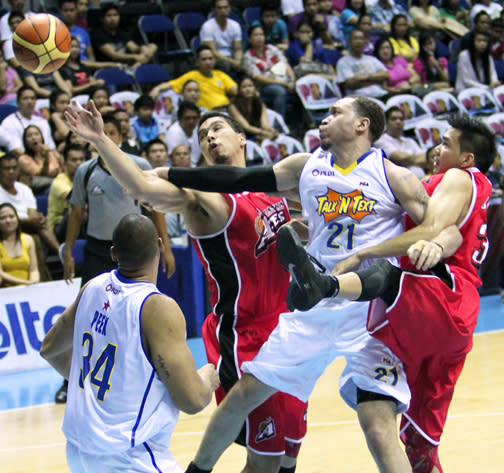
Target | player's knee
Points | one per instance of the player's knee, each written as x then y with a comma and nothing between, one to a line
247,394
381,279
261,463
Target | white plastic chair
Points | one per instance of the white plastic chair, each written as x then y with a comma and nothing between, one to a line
442,103
282,147
413,108
126,100
478,101
277,121
42,108
83,99
256,154
166,104
498,94
317,94
311,140
430,131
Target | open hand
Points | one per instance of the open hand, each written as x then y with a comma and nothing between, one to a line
88,124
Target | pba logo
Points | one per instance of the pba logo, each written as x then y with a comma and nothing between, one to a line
354,204
267,224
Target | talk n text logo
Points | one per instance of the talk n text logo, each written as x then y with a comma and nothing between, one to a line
354,204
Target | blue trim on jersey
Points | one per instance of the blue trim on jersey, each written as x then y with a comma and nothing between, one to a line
152,457
384,157
362,158
124,280
140,326
142,405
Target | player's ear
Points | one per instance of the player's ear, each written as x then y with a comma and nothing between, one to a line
467,160
161,246
363,124
113,254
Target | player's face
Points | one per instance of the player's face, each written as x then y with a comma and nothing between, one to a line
338,126
181,156
220,144
447,154
157,155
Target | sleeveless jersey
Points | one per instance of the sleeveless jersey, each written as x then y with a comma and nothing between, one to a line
241,264
115,399
468,258
347,209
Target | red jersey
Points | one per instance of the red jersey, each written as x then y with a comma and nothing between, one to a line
241,263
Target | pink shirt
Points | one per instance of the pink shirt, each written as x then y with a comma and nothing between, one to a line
398,73
10,74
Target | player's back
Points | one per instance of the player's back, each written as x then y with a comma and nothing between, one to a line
115,399
241,263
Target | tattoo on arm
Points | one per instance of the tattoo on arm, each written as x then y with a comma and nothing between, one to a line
422,197
163,368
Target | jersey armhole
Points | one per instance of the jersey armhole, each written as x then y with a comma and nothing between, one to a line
140,327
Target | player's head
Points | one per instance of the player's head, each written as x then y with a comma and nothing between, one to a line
222,140
469,142
352,118
135,242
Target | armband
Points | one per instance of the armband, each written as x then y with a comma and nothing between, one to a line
228,179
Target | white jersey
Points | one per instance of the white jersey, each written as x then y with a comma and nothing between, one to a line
115,398
347,209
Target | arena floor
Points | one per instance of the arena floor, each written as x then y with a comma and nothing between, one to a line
31,440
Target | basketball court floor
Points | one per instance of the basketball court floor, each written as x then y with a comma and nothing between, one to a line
31,440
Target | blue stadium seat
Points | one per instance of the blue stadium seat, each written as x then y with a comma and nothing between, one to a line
42,202
5,110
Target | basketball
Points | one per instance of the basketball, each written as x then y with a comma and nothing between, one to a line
41,43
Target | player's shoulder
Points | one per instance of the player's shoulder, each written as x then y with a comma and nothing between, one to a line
158,309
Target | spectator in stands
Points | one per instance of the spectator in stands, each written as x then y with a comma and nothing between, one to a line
275,29
5,31
44,84
110,43
184,130
325,7
18,258
14,18
481,24
129,144
22,198
10,82
38,165
399,149
145,127
475,66
365,25
81,15
250,112
216,86
425,15
493,9
404,44
68,15
191,91
433,70
57,208
73,139
497,39
402,77
317,21
156,152
77,76
58,101
452,9
361,74
350,15
14,124
101,97
302,49
383,11
269,68
224,36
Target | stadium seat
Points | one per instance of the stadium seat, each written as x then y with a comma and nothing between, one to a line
6,110
187,25
125,100
276,121
413,108
430,131
478,101
116,77
149,75
442,103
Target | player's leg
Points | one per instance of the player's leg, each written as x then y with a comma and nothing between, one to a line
377,418
422,454
261,463
227,420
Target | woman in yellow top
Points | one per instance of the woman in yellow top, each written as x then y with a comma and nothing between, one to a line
18,260
403,43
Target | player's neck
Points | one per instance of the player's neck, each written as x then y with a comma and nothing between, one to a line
347,154
142,274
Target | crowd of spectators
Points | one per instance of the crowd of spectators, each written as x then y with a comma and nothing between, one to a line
243,67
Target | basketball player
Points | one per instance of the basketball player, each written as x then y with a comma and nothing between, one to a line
432,341
235,239
349,194
122,345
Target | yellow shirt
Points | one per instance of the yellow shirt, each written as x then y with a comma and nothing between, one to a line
18,267
57,205
213,89
403,48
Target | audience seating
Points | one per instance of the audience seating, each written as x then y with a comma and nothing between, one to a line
430,131
413,108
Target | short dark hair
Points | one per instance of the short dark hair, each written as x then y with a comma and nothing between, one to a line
73,147
135,241
22,89
477,138
184,106
391,110
96,88
61,2
14,14
155,141
231,121
269,6
54,96
144,101
107,7
498,23
368,108
109,118
203,47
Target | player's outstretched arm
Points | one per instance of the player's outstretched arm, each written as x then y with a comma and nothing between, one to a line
164,336
282,177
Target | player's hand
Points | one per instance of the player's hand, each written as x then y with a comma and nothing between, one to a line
425,254
348,264
209,376
68,267
168,262
88,124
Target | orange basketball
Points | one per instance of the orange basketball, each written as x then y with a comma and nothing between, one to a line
41,43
